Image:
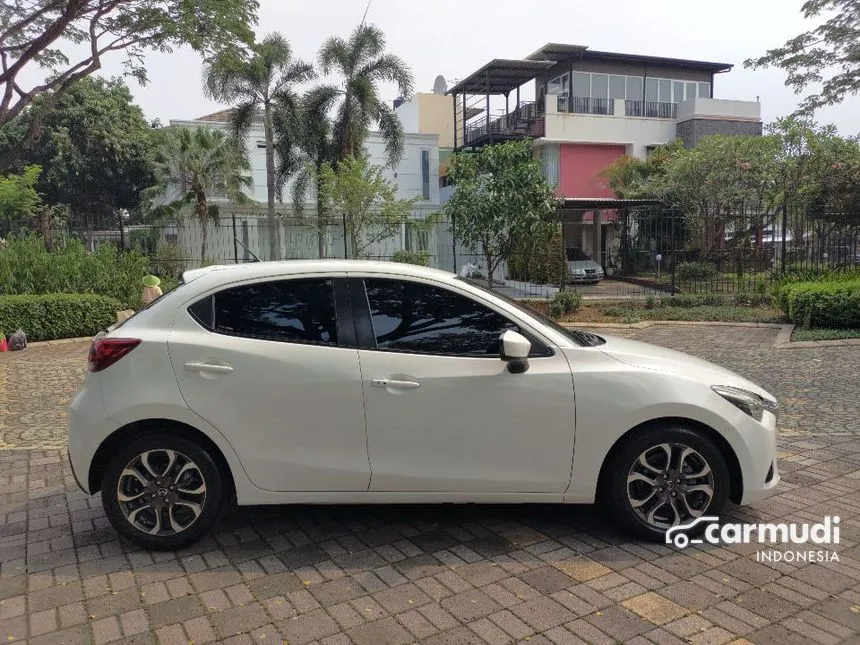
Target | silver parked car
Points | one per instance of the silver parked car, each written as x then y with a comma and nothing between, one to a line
582,268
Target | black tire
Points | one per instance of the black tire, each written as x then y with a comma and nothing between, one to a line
209,503
616,499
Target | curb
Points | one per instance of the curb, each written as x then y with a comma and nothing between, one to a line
59,341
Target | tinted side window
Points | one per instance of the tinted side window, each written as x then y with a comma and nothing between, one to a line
290,311
201,311
412,317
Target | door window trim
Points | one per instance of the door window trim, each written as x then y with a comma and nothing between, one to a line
366,335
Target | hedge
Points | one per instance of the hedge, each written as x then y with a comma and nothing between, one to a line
832,305
27,267
57,315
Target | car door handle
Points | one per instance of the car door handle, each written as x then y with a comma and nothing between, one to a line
399,385
216,368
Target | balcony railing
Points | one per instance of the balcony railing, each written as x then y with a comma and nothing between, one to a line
653,109
585,105
525,120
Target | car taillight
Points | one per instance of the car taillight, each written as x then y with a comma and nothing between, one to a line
104,352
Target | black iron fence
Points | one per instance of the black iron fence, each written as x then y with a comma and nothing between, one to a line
607,253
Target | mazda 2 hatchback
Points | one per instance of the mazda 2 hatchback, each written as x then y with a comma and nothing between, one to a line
375,382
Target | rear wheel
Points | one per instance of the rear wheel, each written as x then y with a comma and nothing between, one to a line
162,492
665,477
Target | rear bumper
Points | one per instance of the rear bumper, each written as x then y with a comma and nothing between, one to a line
88,426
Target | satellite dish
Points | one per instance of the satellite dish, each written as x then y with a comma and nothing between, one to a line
440,85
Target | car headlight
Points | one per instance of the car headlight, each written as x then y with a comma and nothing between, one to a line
749,402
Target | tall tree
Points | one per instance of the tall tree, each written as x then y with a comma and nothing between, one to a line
358,192
19,200
262,84
826,55
32,33
96,170
362,63
308,138
192,165
501,198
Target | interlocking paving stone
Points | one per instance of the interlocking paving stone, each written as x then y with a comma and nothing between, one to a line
490,574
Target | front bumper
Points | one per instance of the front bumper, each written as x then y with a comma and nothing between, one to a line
590,277
759,468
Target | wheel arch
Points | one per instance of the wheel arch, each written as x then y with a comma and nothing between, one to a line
138,429
736,484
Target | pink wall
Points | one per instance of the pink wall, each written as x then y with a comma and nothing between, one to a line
580,166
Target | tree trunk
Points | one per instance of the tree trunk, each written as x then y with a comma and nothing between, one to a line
274,244
45,228
321,217
201,209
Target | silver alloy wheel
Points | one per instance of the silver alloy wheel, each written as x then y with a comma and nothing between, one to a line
670,484
161,492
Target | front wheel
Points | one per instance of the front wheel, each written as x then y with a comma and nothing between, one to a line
162,492
665,477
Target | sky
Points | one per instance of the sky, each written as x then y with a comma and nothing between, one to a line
456,37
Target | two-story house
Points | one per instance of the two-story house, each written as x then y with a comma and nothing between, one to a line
585,109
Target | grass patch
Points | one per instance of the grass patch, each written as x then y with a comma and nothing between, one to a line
824,334
628,312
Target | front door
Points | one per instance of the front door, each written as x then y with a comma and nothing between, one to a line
265,363
443,412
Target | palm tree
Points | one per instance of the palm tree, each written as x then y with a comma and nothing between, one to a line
191,165
363,63
304,143
262,84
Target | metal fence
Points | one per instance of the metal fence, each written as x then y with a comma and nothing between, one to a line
634,251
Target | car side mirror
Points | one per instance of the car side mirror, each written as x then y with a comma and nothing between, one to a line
515,349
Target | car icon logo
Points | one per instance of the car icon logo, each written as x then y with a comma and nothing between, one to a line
677,536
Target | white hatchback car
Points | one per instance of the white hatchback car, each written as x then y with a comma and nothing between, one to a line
336,381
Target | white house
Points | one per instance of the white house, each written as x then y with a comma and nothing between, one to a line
416,176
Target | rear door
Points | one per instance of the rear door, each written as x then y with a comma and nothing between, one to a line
273,365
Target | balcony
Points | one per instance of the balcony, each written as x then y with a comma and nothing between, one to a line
651,109
526,120
584,105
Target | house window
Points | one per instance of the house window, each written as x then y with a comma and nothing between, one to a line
691,90
704,90
651,89
425,174
581,84
549,160
634,88
599,86
617,88
558,85
678,91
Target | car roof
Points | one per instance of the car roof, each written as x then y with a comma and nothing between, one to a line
252,270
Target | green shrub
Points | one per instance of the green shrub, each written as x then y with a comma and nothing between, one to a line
650,302
555,310
832,304
540,259
696,300
421,258
27,267
778,287
696,272
57,315
568,300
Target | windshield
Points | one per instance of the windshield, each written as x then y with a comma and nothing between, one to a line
578,336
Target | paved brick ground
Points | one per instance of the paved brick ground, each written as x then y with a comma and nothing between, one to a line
486,574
